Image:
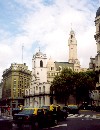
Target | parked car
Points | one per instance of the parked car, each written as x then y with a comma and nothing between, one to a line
97,108
58,111
87,107
73,109
34,117
16,111
66,108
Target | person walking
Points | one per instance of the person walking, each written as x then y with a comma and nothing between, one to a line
8,110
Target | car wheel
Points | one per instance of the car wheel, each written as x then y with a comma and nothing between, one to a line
19,126
64,118
55,122
36,126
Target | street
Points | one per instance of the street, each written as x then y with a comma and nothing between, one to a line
85,120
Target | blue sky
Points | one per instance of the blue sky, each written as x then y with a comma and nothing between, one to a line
46,24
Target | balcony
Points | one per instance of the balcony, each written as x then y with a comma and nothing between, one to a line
38,94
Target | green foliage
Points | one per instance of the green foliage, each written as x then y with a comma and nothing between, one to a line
77,84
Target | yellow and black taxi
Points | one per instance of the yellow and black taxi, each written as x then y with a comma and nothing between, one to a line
61,114
27,117
34,117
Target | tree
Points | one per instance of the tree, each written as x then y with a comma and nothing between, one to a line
73,83
61,85
85,83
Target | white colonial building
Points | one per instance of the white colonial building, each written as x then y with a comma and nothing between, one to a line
39,92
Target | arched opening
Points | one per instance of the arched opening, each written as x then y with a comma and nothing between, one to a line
41,63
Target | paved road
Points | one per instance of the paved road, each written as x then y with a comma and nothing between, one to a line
86,120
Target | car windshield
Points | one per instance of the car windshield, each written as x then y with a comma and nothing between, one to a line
65,107
16,108
27,111
73,106
46,107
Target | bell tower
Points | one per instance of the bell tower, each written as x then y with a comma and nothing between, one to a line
39,69
72,43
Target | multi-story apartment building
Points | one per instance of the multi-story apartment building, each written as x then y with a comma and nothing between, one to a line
15,80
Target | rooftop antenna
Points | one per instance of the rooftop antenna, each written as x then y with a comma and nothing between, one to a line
22,52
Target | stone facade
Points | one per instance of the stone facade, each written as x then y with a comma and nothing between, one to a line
15,80
97,38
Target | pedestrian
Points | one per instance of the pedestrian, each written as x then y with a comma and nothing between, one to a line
8,110
2,111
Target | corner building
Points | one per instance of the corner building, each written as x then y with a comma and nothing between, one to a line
15,80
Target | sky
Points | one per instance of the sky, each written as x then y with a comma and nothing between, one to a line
27,25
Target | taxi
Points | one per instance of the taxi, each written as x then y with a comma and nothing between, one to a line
35,117
57,111
28,117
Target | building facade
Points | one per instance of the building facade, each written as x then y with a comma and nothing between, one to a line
55,68
92,64
97,38
1,86
39,92
15,80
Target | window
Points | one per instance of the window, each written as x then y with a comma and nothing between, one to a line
52,68
40,101
34,64
43,88
37,73
36,87
99,27
26,92
34,90
43,100
71,36
41,63
39,89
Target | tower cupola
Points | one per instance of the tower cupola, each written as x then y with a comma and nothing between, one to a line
98,12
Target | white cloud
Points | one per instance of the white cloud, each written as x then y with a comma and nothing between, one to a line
48,27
